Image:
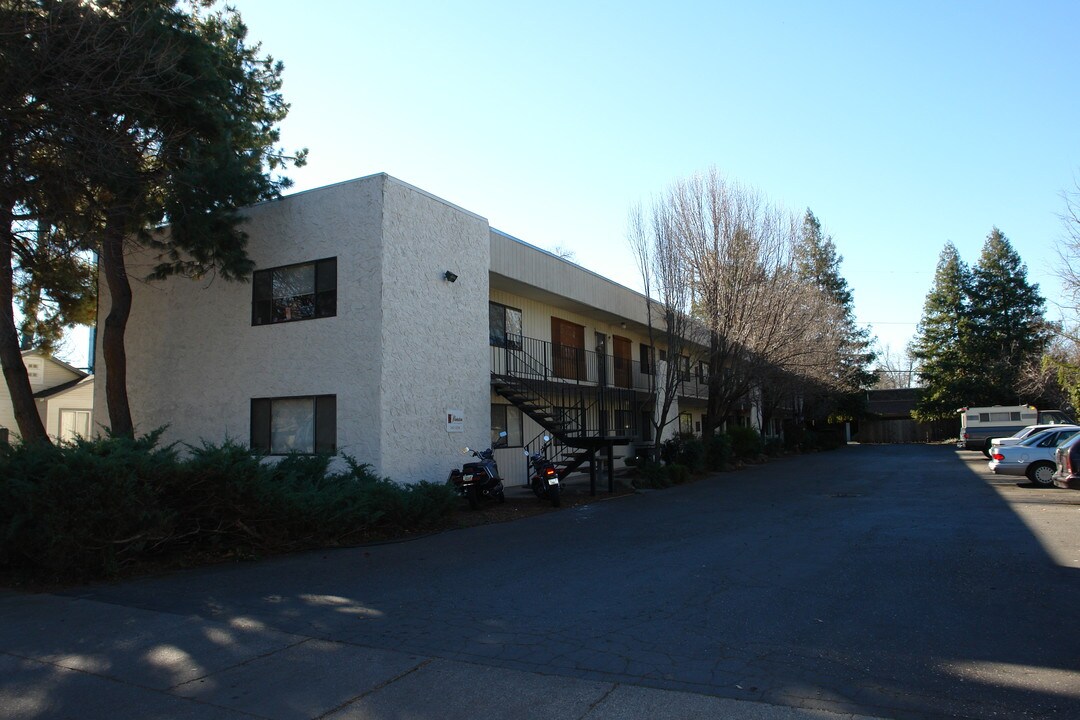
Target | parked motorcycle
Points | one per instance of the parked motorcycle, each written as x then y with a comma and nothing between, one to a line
478,481
543,478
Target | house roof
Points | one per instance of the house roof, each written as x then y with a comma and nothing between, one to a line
57,389
61,363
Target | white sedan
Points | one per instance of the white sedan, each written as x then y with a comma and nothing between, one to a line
1032,456
1023,434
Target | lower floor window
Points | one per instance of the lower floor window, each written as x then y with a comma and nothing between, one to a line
306,424
74,424
686,423
508,418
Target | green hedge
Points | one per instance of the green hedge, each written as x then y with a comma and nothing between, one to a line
746,442
86,510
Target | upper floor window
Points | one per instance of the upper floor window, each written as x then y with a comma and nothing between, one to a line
504,325
294,292
645,356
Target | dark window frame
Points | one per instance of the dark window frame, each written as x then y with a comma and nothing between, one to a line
645,355
501,408
265,307
507,340
323,425
686,424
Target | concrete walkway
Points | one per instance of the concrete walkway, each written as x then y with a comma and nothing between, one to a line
69,657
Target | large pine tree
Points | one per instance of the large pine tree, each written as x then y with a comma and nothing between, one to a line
1007,318
119,116
942,343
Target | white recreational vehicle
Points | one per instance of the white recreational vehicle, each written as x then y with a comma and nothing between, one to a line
980,425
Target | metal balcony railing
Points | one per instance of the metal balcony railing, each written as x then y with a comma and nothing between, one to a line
529,358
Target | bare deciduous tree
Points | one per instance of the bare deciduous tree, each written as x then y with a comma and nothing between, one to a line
665,275
1068,249
895,368
1060,366
761,318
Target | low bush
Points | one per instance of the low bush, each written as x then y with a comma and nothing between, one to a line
746,442
677,473
670,448
718,452
86,510
651,476
692,455
774,447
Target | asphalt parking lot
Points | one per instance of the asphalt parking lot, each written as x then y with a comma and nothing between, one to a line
887,581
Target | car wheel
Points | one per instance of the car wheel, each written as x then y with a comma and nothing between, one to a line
986,448
1041,473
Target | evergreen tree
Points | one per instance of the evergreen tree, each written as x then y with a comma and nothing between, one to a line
1007,319
943,341
818,264
119,116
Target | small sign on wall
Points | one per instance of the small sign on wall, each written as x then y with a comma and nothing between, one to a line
455,421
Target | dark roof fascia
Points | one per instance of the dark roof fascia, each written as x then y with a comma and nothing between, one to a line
56,389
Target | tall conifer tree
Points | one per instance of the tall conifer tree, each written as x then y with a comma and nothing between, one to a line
943,340
1007,317
818,263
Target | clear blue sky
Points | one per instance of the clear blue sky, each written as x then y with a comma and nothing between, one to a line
901,125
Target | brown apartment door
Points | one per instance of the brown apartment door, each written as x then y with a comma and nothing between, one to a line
620,349
567,349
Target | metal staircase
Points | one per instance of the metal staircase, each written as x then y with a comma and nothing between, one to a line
574,406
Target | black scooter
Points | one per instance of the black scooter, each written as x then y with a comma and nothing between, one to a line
543,478
479,481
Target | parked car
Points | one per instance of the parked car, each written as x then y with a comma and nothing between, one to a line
1023,434
1067,457
1033,457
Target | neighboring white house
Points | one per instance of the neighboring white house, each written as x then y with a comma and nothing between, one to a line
64,396
388,324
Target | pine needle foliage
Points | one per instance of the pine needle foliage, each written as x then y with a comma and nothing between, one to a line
93,508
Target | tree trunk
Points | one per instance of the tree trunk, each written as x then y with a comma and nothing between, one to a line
711,421
28,335
112,340
31,429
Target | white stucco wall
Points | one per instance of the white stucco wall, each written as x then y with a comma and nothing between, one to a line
434,335
195,361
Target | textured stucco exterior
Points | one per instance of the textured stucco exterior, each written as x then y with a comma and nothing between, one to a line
399,352
434,332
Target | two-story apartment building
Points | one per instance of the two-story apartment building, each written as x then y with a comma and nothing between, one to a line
393,326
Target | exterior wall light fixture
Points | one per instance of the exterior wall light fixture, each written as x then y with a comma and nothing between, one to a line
450,277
